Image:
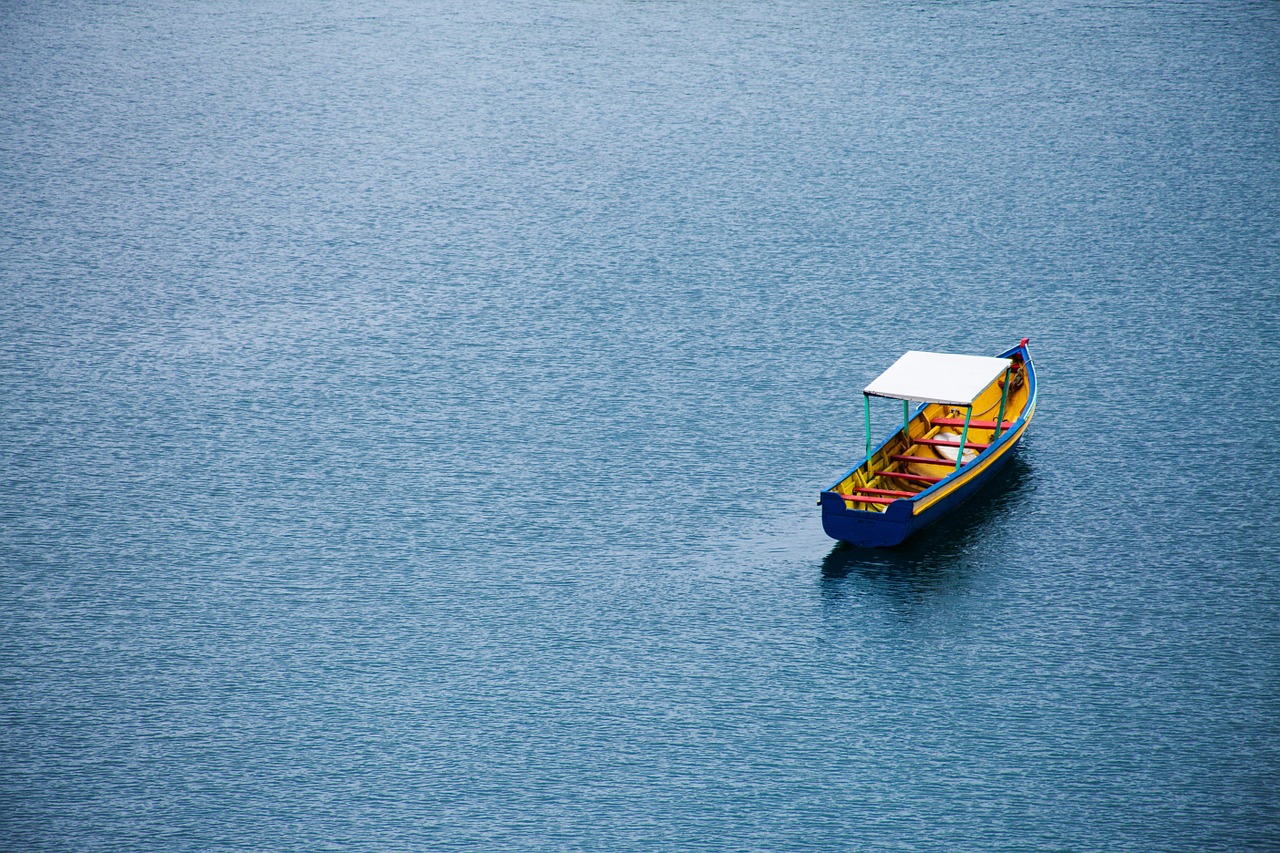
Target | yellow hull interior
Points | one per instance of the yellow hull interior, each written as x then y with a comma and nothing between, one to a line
881,480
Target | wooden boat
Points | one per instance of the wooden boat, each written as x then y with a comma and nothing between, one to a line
971,413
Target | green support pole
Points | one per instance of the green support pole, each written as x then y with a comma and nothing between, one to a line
906,424
1004,398
964,435
866,411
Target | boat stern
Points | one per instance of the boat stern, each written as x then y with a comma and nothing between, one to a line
867,529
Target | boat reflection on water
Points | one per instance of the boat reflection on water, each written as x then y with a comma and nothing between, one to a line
932,559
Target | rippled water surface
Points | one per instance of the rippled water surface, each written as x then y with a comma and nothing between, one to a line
413,415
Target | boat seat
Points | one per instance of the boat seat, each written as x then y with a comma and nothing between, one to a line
973,424
925,460
942,442
863,490
870,499
915,478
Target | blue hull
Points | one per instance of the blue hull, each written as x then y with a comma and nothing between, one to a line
902,518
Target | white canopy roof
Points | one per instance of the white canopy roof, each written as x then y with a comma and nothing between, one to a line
937,377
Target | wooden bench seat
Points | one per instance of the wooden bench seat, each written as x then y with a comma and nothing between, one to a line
973,424
926,460
915,478
942,442
863,490
870,499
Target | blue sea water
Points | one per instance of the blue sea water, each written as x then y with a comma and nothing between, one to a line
412,417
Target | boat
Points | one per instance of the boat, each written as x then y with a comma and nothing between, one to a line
971,412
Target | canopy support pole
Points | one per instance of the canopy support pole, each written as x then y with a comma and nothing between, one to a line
964,435
906,421
866,412
1004,398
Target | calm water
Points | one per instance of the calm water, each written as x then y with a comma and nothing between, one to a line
413,415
